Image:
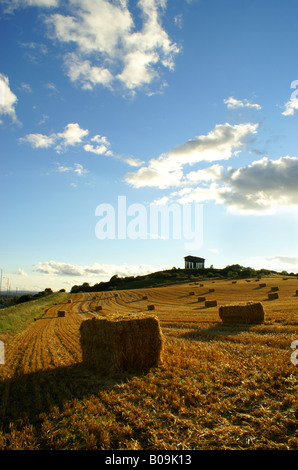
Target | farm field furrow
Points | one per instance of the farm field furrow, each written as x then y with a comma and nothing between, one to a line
219,386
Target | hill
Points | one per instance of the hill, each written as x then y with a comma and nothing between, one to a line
174,275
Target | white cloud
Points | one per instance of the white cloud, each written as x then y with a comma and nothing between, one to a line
274,263
213,172
96,269
133,161
81,71
11,5
98,149
222,143
78,169
109,48
8,99
259,188
290,107
233,103
39,140
71,135
21,272
25,87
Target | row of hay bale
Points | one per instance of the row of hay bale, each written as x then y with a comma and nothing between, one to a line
135,342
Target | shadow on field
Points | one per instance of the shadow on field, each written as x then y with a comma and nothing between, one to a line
217,332
25,396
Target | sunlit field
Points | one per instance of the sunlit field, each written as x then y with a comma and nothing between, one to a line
219,386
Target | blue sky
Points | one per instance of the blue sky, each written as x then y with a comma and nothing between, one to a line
188,102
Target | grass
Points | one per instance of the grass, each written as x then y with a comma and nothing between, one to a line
220,386
17,317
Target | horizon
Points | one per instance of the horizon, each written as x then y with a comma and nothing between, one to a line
188,105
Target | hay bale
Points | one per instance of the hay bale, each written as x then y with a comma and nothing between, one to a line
121,343
69,301
61,313
98,308
262,285
248,280
234,282
211,290
296,292
201,285
211,303
273,295
201,299
145,297
191,293
274,289
250,312
150,307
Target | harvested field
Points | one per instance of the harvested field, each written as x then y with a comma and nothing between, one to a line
219,386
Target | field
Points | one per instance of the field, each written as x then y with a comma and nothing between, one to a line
220,386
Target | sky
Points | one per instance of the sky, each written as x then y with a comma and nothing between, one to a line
136,132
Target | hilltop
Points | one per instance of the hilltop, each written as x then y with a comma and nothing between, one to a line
176,275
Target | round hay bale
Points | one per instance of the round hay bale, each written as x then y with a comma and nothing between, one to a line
121,344
145,297
274,289
250,312
262,285
61,313
201,299
234,282
191,293
150,307
211,290
201,285
273,295
296,292
211,303
98,308
69,301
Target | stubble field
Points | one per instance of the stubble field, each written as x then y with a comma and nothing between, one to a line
219,386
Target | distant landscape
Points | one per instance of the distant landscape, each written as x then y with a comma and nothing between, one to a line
219,386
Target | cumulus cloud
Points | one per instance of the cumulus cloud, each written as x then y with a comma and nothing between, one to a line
233,103
96,269
260,187
8,99
222,143
39,140
71,135
109,47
